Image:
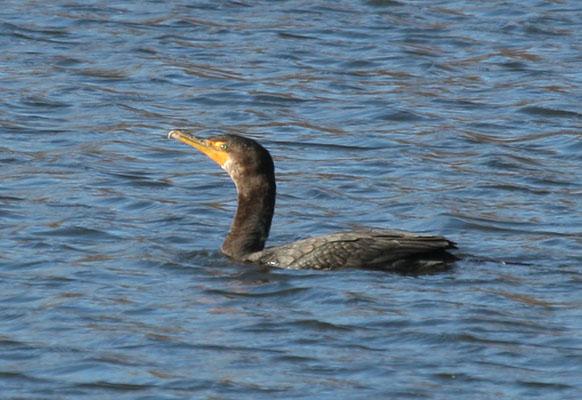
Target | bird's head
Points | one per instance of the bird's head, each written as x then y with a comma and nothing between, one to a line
240,157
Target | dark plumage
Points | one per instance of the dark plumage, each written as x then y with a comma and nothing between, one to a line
251,168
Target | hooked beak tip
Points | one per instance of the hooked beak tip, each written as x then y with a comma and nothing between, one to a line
173,132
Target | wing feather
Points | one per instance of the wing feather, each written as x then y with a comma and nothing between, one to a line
352,249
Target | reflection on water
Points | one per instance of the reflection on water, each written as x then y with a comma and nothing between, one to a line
461,119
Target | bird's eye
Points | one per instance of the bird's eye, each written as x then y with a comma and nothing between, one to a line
223,147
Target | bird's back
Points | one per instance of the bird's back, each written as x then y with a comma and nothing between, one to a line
374,249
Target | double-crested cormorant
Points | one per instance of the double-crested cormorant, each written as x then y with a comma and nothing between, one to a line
251,168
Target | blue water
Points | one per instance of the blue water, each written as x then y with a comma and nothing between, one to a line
457,118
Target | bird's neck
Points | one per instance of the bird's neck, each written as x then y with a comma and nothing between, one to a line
252,221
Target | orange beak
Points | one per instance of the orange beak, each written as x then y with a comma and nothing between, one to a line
209,147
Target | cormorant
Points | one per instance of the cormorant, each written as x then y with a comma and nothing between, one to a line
251,168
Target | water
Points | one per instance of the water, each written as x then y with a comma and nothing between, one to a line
459,118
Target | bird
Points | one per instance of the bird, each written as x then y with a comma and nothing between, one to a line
251,168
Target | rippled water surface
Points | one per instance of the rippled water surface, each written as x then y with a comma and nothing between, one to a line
461,118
